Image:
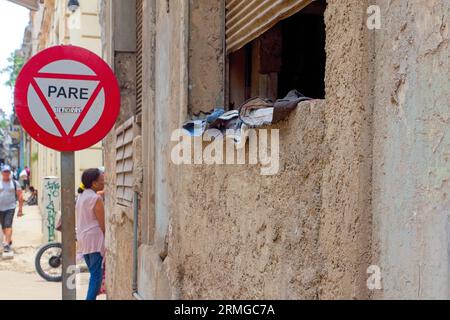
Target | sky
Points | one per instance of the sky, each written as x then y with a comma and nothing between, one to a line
13,20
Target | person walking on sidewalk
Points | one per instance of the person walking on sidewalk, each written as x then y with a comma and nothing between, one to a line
10,193
25,177
14,173
90,227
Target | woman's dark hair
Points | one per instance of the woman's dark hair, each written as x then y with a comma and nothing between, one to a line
88,178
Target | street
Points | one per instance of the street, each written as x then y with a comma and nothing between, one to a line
18,278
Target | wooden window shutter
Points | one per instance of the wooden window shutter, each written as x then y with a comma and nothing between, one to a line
139,55
246,20
125,135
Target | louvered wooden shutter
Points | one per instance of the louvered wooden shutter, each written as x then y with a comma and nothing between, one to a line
124,162
248,19
139,55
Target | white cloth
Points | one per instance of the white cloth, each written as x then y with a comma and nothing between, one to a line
23,174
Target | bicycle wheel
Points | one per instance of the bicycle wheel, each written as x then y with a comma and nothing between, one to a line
48,262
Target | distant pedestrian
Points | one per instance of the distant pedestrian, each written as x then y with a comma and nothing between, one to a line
14,173
23,178
90,227
10,193
27,178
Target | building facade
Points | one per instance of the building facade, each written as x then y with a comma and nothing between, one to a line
362,187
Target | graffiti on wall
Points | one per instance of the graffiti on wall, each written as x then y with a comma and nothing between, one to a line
52,194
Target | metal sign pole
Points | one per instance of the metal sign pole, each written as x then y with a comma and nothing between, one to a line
68,226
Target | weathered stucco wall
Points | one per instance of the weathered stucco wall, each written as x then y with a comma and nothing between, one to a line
206,56
156,278
241,235
227,231
363,177
345,228
411,150
217,225
305,233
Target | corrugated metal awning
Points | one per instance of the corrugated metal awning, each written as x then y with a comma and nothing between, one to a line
30,4
246,20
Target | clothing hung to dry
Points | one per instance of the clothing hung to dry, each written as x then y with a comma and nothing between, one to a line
253,113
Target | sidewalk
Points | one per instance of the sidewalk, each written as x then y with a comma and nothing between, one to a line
18,279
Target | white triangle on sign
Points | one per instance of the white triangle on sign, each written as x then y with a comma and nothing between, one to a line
67,98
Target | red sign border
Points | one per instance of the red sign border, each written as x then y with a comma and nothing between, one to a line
107,80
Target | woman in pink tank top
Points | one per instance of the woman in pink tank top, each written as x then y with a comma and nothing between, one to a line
90,224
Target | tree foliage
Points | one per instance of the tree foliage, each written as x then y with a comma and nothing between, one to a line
4,123
15,64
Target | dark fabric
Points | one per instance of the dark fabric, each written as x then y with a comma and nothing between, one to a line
15,190
6,218
94,262
283,107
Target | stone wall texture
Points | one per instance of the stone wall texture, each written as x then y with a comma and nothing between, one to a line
411,149
345,229
363,174
241,235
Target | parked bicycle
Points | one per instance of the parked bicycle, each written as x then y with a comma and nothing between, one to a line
48,262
